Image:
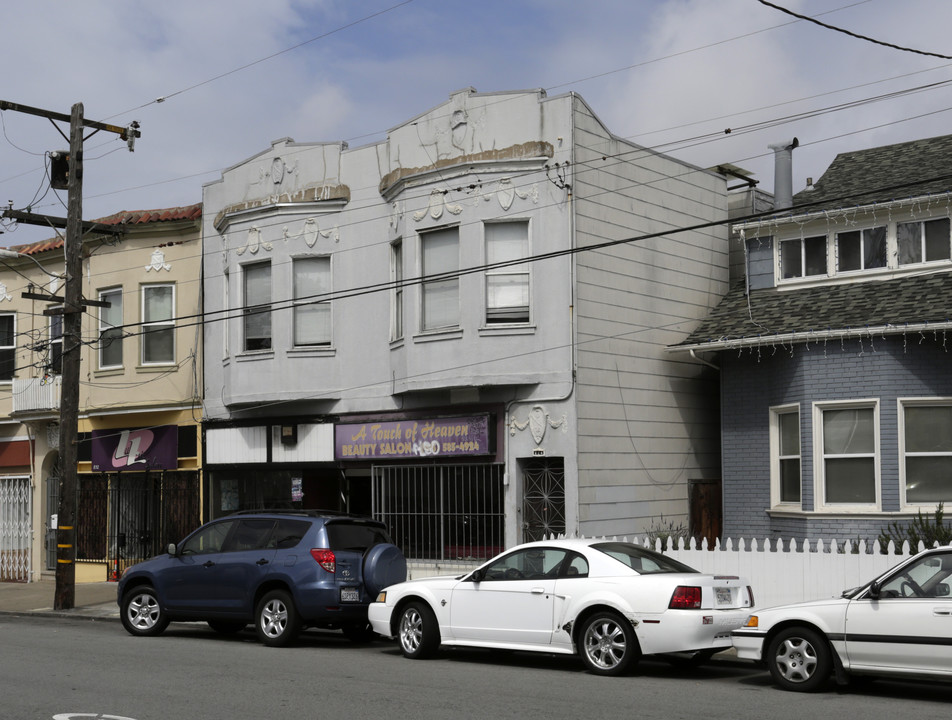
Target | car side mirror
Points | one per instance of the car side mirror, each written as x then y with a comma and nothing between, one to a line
942,590
478,575
173,551
874,589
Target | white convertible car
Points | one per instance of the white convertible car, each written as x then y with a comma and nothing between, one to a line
608,601
898,624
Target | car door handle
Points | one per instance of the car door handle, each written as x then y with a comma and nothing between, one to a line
208,563
262,561
942,611
538,591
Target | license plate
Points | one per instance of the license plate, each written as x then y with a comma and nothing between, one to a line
723,596
349,595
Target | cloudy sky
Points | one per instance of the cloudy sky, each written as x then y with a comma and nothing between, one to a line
213,82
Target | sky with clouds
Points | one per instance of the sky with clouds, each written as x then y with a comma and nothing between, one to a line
213,82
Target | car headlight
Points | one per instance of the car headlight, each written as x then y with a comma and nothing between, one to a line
752,622
382,596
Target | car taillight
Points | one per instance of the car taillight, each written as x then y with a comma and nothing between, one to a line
685,598
325,558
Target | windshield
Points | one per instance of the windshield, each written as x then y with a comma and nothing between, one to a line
642,560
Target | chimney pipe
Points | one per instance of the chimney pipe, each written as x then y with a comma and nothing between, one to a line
783,173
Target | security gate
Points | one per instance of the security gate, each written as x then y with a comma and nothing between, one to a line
123,518
543,501
15,513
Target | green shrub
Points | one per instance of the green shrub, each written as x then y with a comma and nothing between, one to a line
928,530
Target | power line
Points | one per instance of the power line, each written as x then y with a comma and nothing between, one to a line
852,34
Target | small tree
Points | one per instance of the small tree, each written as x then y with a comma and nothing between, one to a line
929,530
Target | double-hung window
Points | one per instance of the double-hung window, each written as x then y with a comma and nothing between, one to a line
158,324
8,348
440,252
923,241
507,279
803,257
861,249
785,452
312,311
396,297
926,439
257,306
848,454
110,329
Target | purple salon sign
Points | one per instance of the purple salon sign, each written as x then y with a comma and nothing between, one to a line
440,437
144,449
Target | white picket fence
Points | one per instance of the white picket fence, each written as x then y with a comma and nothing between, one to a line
779,571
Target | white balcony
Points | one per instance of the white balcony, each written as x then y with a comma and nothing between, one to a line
31,395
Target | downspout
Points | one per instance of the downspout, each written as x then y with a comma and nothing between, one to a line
702,360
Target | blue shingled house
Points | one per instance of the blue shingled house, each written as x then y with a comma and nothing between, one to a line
835,351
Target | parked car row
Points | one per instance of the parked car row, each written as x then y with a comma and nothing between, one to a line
608,602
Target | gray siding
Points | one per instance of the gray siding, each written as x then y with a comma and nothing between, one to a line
754,381
647,419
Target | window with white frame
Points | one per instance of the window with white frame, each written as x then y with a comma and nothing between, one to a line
8,347
861,249
785,451
803,257
923,241
54,359
848,454
396,296
110,329
926,452
312,312
257,306
507,286
440,260
158,324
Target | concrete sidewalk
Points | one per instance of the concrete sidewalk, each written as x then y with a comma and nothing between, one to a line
92,600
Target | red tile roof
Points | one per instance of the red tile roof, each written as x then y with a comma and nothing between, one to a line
124,217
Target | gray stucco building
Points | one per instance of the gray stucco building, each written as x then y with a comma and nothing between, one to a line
462,328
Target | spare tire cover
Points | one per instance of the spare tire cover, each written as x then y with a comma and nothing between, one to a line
384,565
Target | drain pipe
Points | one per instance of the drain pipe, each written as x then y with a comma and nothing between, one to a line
702,360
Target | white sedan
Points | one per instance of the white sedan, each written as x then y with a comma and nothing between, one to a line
608,601
898,624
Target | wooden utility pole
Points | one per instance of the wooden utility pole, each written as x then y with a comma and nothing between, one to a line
73,305
65,594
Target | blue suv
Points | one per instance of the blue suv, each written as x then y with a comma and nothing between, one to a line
281,570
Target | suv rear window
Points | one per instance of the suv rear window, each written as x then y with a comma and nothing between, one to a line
355,536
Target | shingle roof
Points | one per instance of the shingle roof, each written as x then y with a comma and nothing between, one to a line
917,301
123,217
882,174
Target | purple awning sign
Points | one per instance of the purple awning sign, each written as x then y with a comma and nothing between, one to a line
143,449
440,437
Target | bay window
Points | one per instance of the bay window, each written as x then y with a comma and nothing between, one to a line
507,287
311,283
257,306
440,254
158,324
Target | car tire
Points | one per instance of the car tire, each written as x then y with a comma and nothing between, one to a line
607,644
277,622
227,627
141,612
384,565
418,632
799,659
359,633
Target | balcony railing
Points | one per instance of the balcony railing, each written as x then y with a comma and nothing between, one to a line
36,394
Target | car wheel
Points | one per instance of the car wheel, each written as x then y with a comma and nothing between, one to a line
226,627
608,645
799,659
141,613
276,619
418,633
359,633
